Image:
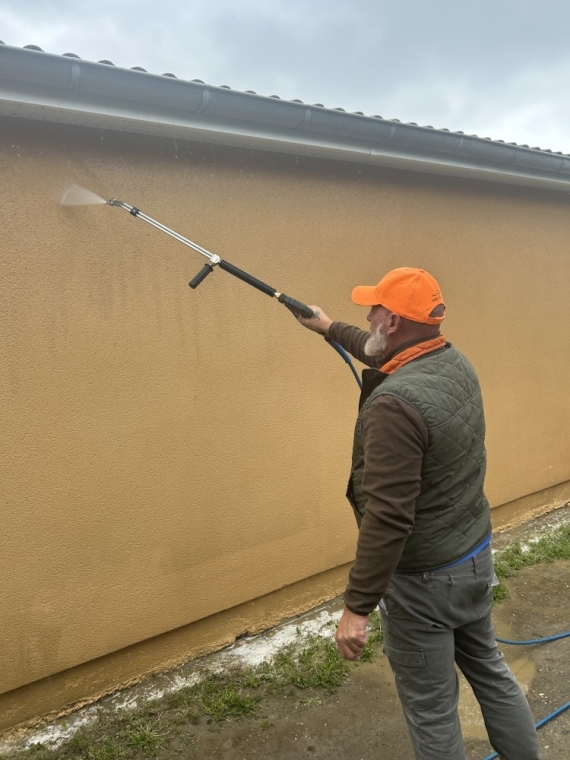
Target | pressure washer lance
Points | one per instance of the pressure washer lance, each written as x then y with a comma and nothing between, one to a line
298,308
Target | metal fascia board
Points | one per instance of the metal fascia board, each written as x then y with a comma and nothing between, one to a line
314,145
55,88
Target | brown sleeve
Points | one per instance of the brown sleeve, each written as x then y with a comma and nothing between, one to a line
352,339
395,438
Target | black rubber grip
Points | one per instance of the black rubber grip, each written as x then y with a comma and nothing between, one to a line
298,308
241,275
202,274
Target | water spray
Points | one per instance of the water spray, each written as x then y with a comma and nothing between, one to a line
79,196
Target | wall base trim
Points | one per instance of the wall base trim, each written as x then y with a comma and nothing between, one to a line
522,510
64,692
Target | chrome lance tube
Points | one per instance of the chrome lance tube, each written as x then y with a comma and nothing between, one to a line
214,259
298,308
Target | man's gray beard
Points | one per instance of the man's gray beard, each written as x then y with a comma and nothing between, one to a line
377,343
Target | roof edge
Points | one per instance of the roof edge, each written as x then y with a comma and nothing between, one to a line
46,87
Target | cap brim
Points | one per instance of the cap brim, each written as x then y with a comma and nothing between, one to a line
365,295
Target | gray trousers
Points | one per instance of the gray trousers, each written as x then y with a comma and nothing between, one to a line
433,620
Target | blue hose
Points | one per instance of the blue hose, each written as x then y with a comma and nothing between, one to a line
557,712
533,641
340,350
552,715
540,724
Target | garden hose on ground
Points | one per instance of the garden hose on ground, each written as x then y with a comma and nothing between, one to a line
556,712
533,641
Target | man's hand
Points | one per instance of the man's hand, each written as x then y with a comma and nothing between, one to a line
320,323
351,635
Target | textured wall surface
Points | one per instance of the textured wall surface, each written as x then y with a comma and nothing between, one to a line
168,454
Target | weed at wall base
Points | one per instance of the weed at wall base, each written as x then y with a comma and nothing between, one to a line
551,546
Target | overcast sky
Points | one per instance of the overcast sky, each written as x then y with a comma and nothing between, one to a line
497,68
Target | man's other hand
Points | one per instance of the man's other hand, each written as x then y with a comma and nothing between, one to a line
351,635
320,323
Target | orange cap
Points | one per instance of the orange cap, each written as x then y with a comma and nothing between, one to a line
412,293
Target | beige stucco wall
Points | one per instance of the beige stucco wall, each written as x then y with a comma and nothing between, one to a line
168,454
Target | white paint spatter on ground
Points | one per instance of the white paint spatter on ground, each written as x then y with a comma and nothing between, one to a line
124,700
251,651
52,735
55,734
549,529
257,649
549,523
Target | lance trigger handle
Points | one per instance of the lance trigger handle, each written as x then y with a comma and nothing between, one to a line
202,274
298,308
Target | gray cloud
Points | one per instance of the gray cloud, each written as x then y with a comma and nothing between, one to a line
498,69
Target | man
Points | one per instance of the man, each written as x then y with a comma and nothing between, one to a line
423,552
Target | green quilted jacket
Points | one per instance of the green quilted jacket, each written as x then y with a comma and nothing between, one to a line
452,512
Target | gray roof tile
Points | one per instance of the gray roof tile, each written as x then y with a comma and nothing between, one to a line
320,105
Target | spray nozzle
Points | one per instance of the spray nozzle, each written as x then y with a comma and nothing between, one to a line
131,209
115,202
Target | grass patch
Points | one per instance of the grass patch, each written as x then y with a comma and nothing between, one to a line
552,545
311,665
114,737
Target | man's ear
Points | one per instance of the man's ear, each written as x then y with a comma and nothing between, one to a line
393,322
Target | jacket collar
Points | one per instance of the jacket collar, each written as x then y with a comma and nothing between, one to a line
410,351
372,378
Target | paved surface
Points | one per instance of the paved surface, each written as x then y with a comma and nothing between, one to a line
363,721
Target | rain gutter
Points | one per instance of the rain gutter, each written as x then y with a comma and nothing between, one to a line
45,87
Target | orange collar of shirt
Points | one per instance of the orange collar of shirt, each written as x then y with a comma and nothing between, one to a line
411,353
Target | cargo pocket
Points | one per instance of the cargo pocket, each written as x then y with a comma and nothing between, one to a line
412,680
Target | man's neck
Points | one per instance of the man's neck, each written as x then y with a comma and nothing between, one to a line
404,345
